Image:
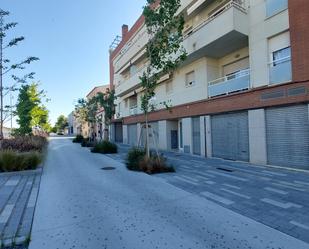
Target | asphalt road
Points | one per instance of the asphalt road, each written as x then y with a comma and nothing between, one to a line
82,206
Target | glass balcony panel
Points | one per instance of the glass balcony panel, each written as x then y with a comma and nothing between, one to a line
280,71
240,81
275,6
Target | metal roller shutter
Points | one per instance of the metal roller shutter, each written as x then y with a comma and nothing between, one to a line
196,136
230,136
132,134
287,131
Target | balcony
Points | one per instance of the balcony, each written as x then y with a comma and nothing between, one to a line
275,6
223,32
127,85
280,71
235,82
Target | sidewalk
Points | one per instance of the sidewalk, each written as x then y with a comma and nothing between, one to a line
278,198
18,194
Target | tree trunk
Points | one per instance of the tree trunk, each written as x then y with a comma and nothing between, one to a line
1,84
147,137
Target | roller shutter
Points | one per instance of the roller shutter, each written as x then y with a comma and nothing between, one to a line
196,136
287,131
230,136
132,134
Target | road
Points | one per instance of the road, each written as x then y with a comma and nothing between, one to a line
82,206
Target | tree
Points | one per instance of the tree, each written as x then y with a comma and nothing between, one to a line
6,67
30,110
62,123
23,111
164,50
107,102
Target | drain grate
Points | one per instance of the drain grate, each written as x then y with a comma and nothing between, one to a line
108,168
226,170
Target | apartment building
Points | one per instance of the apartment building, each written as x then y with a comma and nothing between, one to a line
96,130
242,93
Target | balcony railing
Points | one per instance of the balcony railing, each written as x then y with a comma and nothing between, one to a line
133,110
239,4
280,71
275,6
235,82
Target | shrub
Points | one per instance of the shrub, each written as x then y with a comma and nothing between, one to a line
138,161
105,147
78,139
87,143
16,161
25,143
135,155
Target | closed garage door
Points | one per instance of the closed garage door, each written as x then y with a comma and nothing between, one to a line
132,134
287,130
153,130
230,136
196,136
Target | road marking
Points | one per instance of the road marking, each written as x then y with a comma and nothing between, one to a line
293,222
230,176
280,204
276,191
11,183
235,193
231,186
6,213
217,198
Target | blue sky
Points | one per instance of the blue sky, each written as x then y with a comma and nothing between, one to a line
71,38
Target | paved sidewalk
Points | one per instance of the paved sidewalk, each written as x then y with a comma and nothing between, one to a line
82,206
18,194
278,198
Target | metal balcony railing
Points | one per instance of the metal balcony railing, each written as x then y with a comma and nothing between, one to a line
238,81
280,71
133,110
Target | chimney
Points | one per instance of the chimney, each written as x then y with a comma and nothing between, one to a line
125,30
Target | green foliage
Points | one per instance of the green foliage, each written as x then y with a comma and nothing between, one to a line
16,161
105,147
135,155
107,102
7,68
25,143
138,161
30,110
87,143
86,110
78,139
164,49
61,123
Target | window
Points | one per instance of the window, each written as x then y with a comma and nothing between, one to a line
280,56
190,79
126,103
133,70
275,6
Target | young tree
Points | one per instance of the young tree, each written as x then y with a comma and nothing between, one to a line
6,67
164,49
86,111
107,102
30,110
62,123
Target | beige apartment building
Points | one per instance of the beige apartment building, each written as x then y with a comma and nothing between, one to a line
242,93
